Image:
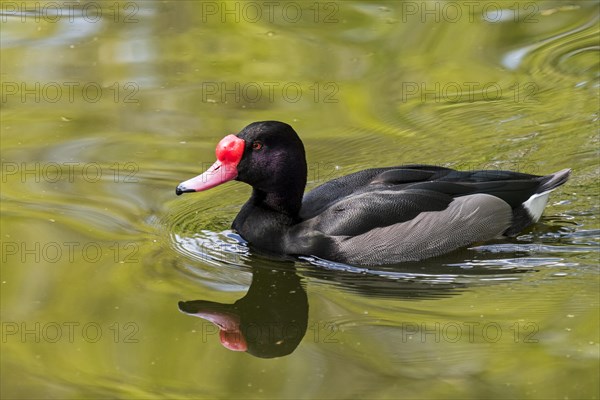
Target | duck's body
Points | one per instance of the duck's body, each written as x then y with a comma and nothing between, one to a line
375,216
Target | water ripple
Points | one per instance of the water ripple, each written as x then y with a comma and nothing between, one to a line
560,53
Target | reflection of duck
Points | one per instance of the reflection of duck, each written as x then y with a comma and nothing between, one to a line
272,318
269,321
375,216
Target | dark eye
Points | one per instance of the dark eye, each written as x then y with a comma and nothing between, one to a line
257,145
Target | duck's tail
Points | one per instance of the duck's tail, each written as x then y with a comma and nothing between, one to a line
531,210
536,203
554,180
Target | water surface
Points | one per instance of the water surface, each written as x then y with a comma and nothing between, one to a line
106,107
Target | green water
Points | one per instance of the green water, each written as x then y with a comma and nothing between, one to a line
107,106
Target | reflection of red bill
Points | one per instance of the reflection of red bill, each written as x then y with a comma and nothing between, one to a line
233,340
228,323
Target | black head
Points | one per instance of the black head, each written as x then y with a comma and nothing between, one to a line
267,155
274,158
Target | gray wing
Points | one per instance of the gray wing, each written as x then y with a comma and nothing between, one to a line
467,219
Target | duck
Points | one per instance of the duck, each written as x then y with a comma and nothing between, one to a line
377,216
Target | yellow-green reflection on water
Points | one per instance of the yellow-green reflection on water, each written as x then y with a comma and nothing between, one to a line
107,106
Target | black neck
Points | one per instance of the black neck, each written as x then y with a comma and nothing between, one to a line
286,202
265,218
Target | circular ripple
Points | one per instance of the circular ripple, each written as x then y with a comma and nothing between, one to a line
573,53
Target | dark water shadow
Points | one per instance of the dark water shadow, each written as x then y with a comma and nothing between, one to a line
271,319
